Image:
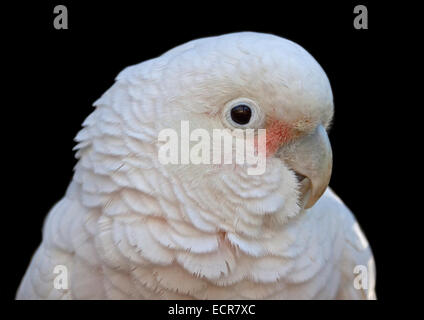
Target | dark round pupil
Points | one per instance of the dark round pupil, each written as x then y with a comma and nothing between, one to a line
241,114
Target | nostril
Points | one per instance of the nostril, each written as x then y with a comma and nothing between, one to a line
299,176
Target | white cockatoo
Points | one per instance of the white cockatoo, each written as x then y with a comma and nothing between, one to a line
131,227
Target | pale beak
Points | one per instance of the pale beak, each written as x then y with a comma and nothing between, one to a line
311,158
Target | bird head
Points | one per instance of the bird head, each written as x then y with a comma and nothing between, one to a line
236,81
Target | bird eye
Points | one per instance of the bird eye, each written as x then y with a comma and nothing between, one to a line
241,114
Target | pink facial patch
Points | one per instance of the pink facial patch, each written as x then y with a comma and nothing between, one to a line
277,133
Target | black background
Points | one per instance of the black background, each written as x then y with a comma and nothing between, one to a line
57,75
